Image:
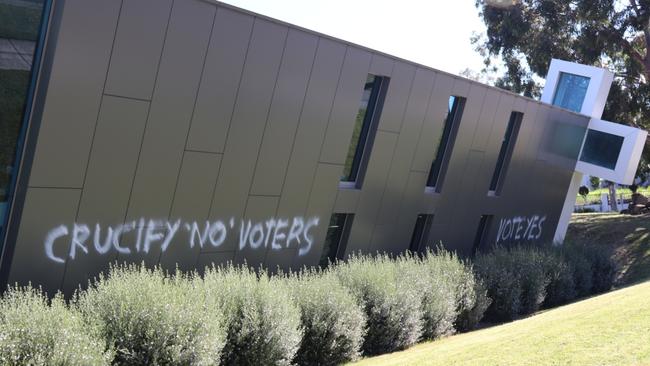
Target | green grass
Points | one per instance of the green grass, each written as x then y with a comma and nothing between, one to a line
626,236
20,22
611,329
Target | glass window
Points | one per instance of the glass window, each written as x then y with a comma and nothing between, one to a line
507,146
365,128
601,149
570,91
420,232
336,238
20,25
446,143
481,233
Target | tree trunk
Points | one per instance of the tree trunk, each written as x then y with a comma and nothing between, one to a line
612,196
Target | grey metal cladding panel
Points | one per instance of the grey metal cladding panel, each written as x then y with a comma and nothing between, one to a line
248,122
321,204
311,128
138,44
108,181
191,205
411,205
462,87
433,123
495,139
284,115
171,109
345,107
74,93
381,65
400,164
486,119
281,260
213,259
397,96
259,209
220,81
372,191
44,210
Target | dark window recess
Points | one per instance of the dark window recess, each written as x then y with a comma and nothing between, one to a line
505,154
481,233
336,238
446,143
601,149
420,232
365,128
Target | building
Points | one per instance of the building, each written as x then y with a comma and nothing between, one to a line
190,132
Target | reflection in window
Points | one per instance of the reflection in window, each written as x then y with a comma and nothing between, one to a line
601,149
336,238
446,143
19,32
420,232
570,91
507,147
365,128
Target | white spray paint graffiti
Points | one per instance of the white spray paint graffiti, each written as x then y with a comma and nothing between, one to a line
521,228
274,233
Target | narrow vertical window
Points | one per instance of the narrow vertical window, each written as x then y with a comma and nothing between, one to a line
336,238
446,143
365,128
505,154
420,232
481,233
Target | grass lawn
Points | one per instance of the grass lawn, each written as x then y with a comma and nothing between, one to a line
611,329
626,237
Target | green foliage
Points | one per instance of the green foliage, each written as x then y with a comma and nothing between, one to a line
594,182
262,321
152,319
583,191
333,322
391,301
33,332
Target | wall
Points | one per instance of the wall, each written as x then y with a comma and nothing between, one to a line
188,132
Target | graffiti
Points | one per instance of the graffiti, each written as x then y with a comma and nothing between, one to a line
520,228
70,241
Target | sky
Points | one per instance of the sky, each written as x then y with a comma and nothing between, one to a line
434,33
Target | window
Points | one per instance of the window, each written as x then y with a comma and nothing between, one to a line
21,38
336,238
507,146
481,233
420,232
570,91
365,128
601,149
446,143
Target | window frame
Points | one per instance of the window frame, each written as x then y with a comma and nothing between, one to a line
341,242
421,231
505,153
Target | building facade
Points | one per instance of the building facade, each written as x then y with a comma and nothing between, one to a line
183,133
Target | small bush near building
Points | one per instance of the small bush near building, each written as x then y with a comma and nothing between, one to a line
391,302
33,332
262,321
333,323
152,319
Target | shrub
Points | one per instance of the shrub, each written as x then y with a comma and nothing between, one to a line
448,290
149,318
595,269
561,286
333,323
35,333
263,322
392,303
469,317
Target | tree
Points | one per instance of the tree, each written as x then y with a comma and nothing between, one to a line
615,34
583,191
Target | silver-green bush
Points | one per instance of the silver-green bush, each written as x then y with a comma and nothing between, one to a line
152,319
393,305
33,332
263,323
333,323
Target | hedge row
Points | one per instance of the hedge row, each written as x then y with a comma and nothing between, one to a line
521,280
235,316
